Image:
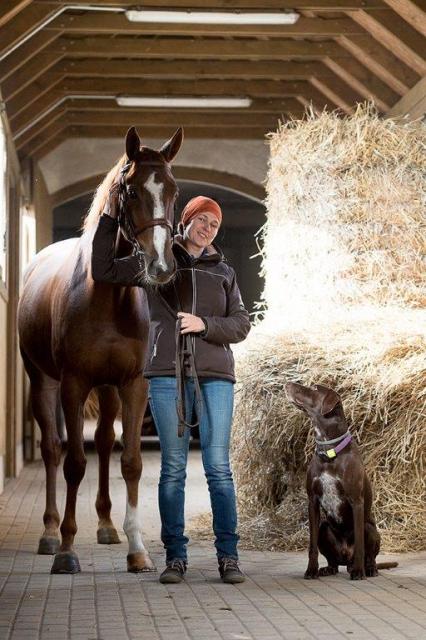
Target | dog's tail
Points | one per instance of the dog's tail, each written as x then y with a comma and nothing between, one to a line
386,565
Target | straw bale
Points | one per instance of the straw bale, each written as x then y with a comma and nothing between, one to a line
343,256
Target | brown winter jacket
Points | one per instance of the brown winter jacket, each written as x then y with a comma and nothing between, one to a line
204,286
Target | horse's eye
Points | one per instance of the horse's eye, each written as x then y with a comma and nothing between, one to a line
132,193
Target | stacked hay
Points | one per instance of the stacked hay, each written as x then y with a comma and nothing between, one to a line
343,305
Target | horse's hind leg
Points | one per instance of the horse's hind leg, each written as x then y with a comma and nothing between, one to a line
109,403
74,392
44,395
134,398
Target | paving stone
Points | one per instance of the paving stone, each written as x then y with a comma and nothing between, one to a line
104,602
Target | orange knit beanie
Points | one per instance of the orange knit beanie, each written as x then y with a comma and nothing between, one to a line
198,205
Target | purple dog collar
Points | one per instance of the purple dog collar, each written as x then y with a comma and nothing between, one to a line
330,454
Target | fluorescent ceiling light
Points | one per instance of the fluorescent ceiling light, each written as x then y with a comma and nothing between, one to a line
152,101
211,17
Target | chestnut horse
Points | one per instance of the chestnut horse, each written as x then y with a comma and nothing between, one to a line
77,335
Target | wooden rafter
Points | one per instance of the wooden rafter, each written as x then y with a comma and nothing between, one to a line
188,48
413,104
396,35
149,117
29,100
221,5
25,53
24,24
362,81
163,69
10,8
381,62
117,23
411,11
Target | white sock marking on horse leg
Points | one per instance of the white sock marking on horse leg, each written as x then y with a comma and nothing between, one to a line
132,529
160,234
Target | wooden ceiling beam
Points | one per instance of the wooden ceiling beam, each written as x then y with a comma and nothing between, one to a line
30,94
118,24
412,105
23,25
337,93
187,48
28,73
396,35
10,8
51,132
48,146
26,52
43,124
363,82
381,62
411,11
40,107
35,98
95,111
167,69
266,5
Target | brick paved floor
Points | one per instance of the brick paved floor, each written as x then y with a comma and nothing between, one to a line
104,602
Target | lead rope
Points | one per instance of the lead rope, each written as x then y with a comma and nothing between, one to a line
184,349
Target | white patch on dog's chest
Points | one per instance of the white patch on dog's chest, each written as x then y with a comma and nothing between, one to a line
330,499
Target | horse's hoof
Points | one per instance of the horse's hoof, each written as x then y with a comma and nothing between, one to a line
66,562
48,546
108,535
140,563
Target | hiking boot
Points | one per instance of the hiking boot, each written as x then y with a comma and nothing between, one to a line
230,572
174,571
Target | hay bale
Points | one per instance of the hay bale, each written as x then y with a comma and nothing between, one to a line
382,382
343,305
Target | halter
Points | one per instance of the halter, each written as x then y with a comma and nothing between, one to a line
125,221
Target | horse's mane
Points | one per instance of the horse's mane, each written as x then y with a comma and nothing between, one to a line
101,195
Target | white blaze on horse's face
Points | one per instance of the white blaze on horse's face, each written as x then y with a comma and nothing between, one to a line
132,529
159,232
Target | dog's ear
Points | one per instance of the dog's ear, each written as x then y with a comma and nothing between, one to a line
330,400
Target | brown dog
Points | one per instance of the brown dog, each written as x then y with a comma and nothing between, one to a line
336,480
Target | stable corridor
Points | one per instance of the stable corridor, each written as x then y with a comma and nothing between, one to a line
104,602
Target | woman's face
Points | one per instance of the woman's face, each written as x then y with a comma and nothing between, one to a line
202,229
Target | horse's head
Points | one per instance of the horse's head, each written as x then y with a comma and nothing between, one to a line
148,194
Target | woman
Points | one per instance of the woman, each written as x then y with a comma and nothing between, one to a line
205,296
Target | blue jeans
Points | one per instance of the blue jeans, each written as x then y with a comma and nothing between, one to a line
215,430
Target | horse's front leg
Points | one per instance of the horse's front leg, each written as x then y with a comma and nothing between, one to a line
74,392
109,403
134,397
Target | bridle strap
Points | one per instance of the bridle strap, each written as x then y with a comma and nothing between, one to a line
125,221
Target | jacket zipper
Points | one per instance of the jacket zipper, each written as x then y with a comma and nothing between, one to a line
154,351
194,307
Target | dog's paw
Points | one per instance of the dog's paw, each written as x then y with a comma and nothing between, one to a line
311,573
328,571
357,574
371,572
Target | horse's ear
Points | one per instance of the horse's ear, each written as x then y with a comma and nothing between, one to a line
172,146
133,143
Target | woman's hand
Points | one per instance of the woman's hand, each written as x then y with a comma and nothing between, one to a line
190,323
111,205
